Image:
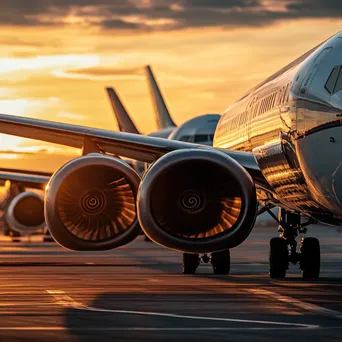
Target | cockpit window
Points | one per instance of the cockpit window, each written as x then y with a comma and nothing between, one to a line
200,138
185,138
338,85
334,82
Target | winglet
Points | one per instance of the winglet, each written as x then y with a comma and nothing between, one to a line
125,122
163,117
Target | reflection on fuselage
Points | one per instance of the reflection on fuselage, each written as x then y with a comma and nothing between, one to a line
291,122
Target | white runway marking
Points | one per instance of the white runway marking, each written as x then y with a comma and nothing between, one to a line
64,299
298,303
61,298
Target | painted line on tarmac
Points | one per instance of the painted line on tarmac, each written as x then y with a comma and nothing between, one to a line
62,298
297,303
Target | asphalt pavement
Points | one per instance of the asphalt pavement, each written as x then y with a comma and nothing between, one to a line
137,293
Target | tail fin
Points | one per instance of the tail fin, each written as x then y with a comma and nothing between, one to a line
124,120
163,117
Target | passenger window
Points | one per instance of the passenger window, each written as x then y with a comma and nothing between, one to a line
262,106
288,93
332,80
285,92
258,108
280,96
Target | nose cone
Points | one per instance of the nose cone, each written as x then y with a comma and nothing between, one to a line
337,184
320,158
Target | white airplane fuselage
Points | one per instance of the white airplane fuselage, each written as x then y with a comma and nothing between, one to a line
292,122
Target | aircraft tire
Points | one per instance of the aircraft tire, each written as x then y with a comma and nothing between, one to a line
221,262
310,258
278,258
190,263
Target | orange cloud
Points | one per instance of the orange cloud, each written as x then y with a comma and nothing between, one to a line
200,70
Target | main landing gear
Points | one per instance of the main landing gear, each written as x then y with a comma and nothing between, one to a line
283,249
219,260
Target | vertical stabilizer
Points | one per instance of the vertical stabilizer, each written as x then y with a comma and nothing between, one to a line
124,120
163,117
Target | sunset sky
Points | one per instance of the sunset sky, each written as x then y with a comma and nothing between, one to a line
56,57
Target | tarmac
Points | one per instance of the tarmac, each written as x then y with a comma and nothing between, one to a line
137,293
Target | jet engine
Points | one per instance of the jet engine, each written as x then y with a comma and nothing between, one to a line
197,201
90,203
25,213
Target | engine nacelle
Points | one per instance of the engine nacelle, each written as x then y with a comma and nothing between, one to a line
25,213
197,201
90,203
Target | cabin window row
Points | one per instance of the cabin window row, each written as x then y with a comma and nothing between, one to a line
273,100
276,99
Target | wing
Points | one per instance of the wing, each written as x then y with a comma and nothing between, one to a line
135,146
29,179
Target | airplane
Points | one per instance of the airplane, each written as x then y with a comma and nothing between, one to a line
162,113
276,146
23,210
200,129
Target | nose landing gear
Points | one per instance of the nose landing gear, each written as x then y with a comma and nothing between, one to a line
219,260
283,249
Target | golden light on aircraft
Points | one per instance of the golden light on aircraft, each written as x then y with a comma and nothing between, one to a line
59,73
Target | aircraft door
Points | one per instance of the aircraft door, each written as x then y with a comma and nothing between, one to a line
250,113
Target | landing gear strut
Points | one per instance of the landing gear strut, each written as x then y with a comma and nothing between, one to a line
219,260
283,249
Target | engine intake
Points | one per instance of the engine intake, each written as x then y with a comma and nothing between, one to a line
25,213
197,201
90,203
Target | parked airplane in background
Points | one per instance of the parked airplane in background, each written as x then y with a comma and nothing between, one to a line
278,145
162,113
23,210
201,128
